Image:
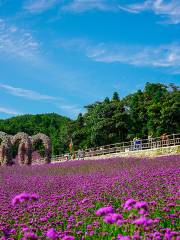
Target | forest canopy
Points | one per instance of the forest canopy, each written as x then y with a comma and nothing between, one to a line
152,111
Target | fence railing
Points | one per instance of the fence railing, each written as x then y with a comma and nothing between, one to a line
136,145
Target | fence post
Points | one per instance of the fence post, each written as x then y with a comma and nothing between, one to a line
174,139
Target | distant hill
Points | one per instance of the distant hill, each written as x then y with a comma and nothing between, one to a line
52,124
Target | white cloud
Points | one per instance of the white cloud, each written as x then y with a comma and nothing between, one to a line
78,6
168,10
164,56
38,6
17,42
33,95
78,43
153,56
20,92
127,9
9,111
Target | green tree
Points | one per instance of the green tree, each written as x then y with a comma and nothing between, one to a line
115,96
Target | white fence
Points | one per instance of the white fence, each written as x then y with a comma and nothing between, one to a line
136,145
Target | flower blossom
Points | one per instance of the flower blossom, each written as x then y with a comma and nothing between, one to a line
143,221
141,204
129,204
112,218
24,197
121,237
104,211
52,234
30,236
84,200
68,238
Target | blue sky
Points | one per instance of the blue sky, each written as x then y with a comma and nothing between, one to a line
60,55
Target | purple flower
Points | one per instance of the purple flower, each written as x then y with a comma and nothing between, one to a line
153,203
68,238
173,216
157,235
43,219
108,219
149,222
129,204
119,222
34,196
89,227
30,236
79,223
156,220
24,197
25,229
69,215
121,237
171,205
136,235
142,205
143,221
104,211
52,234
112,218
84,200
167,236
91,233
140,221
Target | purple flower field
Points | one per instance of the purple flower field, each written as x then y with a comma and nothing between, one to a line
103,199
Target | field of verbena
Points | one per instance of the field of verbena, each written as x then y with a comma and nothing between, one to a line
140,197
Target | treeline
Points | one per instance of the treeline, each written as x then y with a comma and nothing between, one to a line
153,111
